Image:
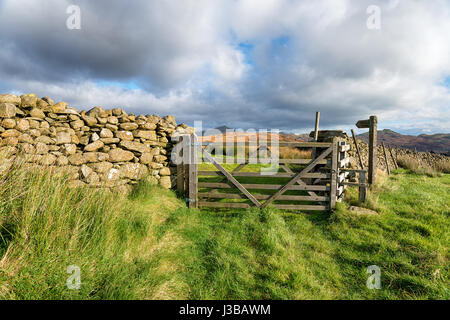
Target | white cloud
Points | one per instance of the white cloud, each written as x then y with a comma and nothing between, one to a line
304,56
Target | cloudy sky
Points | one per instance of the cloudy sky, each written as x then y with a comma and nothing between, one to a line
240,63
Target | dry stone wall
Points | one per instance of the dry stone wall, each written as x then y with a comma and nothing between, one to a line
424,158
98,148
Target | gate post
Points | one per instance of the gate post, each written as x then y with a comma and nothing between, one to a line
180,168
372,124
192,144
373,149
334,169
362,194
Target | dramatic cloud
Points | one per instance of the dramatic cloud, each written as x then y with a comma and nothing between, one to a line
245,63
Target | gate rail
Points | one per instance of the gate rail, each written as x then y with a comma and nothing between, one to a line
318,185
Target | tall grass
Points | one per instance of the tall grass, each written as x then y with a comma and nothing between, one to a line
443,165
294,153
148,245
45,226
413,165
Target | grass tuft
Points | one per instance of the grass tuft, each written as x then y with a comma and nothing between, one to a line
414,166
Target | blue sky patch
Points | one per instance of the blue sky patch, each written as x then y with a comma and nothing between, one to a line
130,85
447,82
247,50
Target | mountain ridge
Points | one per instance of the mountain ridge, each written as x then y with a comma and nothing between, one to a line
438,143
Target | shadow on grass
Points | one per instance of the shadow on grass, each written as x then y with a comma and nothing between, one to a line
7,232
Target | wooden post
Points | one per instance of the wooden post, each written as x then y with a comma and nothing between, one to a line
373,121
392,156
362,195
316,128
180,169
316,134
386,159
193,172
334,174
361,164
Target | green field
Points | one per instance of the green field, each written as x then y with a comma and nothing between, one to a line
150,246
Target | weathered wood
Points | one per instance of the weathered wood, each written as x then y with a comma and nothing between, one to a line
300,207
306,144
246,205
316,127
298,181
255,160
224,205
286,168
180,170
232,179
353,184
298,176
221,195
362,192
386,159
240,167
361,164
186,179
363,124
299,161
373,150
180,179
193,169
303,144
219,185
352,170
393,158
334,172
316,134
314,175
396,155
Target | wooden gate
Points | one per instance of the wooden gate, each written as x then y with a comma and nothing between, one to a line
298,184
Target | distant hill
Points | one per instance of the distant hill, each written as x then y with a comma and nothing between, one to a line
222,129
289,137
439,143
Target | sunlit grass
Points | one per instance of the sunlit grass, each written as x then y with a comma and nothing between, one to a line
148,245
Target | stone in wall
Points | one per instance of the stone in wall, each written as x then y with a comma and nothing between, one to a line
100,148
427,159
